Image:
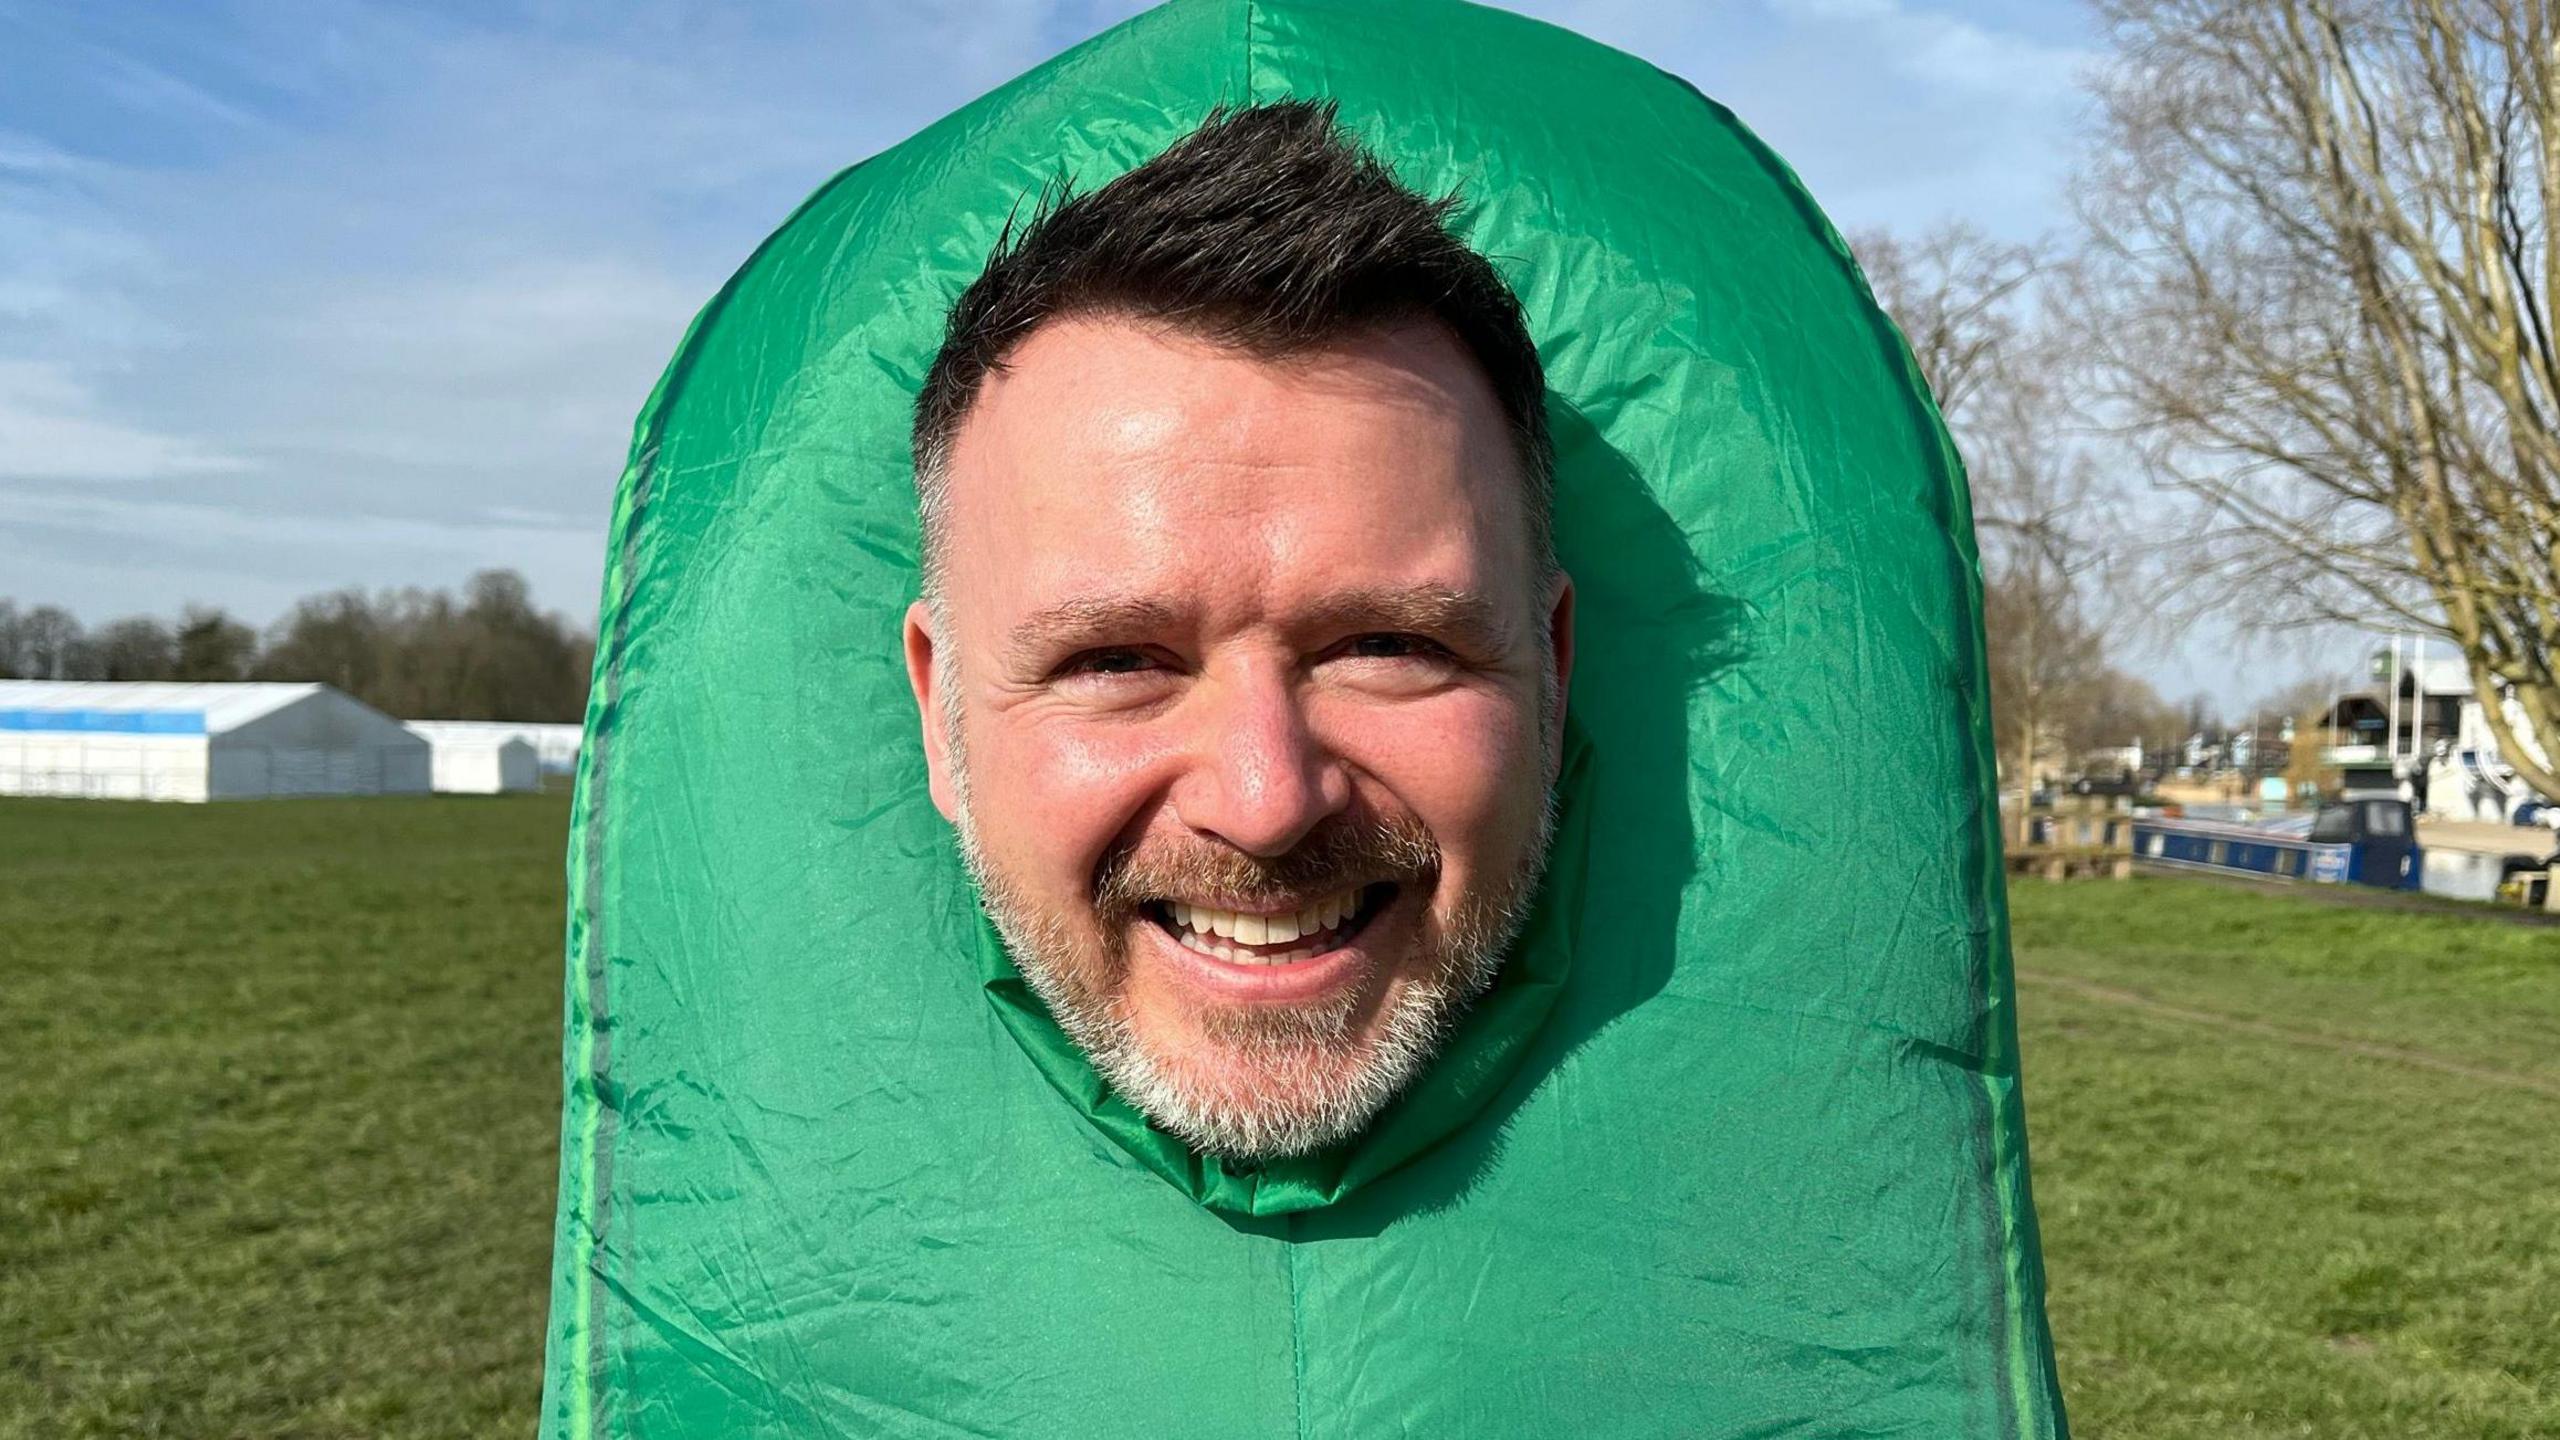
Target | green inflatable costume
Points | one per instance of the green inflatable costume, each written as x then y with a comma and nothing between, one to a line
1735,1147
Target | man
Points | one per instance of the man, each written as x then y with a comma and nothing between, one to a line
1243,649
1327,1032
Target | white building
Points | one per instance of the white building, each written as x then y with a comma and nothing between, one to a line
476,758
141,740
555,747
2423,724
2467,778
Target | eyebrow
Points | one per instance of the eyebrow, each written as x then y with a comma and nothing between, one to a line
1082,621
1467,617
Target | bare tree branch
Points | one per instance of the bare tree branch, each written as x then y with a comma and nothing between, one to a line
2319,292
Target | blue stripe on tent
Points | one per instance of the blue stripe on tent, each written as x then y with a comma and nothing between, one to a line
106,722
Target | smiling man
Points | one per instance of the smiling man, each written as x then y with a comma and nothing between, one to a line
1330,1033
1243,648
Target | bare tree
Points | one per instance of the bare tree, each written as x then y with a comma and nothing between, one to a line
1969,307
49,644
335,639
2048,672
2043,524
135,648
212,646
418,653
2123,710
2322,280
1956,293
2303,700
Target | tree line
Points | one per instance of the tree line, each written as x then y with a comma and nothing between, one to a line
419,654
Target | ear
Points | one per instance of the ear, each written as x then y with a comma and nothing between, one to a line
1559,645
922,679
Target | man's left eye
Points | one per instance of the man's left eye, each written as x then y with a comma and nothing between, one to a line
1392,647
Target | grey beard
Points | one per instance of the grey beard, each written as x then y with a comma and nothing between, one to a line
1330,1087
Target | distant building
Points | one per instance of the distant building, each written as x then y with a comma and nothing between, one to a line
476,758
2431,741
555,747
142,740
2113,760
2466,777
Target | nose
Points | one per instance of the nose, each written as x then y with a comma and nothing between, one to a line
1259,778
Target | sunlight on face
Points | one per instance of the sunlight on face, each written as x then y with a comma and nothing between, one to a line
1242,693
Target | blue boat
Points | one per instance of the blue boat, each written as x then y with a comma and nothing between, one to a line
2360,840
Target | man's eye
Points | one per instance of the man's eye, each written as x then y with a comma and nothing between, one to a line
1391,647
1119,661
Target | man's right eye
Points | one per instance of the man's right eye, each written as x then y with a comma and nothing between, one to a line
1118,660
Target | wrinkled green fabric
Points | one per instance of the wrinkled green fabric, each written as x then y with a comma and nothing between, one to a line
1736,1148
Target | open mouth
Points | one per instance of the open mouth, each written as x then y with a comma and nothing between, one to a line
1281,938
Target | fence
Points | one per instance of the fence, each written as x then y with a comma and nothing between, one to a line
2078,839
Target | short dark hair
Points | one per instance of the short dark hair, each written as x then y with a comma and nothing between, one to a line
1266,229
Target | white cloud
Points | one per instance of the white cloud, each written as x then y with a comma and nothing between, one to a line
145,86
534,368
27,155
107,554
1936,48
51,428
71,271
201,525
374,302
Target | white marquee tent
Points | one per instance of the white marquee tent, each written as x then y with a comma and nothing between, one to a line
475,757
555,747
137,740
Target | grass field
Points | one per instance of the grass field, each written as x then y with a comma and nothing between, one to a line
278,1089
281,1099
2312,1187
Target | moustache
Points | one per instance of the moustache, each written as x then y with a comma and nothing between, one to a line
1342,854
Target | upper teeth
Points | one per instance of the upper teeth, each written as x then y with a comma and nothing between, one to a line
1267,929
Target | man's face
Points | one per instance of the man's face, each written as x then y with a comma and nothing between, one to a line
1244,693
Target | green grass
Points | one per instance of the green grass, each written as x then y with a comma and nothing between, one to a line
280,1093
2259,1234
279,1083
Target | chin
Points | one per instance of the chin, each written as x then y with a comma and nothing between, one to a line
1276,1084
1260,1107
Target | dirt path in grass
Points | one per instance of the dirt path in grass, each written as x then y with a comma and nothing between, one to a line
2424,1059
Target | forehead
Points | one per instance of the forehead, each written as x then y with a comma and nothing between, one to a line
1115,456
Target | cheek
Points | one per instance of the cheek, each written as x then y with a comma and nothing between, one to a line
1051,798
1465,764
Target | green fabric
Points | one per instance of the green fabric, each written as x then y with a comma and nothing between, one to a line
1736,1149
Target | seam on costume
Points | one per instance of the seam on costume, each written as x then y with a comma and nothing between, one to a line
587,1340
1297,1330
599,1057
2007,1219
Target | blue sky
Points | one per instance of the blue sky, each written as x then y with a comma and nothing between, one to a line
298,295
